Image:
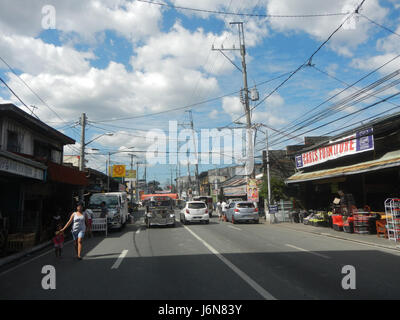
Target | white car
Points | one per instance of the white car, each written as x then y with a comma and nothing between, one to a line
195,211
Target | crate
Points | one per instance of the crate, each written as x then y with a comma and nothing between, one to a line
20,241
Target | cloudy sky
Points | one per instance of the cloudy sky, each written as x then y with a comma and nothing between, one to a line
133,66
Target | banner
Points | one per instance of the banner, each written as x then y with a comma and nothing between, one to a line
131,174
252,190
359,142
118,171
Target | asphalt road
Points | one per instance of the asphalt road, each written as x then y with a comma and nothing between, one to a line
218,261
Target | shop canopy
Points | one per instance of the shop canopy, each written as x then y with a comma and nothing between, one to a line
173,196
389,160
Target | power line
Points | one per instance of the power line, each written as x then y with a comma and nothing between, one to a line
379,25
307,62
12,91
245,14
343,117
187,106
292,125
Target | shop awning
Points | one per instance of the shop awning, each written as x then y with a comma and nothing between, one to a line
68,175
389,160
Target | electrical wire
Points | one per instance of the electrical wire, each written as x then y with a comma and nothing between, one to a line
294,124
244,14
307,62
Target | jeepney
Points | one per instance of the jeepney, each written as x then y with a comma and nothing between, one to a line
159,211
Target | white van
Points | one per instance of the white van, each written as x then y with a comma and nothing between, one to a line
117,207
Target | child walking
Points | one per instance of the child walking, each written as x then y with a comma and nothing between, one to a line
58,241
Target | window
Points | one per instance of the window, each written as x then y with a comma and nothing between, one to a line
41,150
196,205
12,142
245,205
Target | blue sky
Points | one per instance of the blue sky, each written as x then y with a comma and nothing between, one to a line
115,59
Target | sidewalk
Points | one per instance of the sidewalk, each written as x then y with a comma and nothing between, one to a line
370,239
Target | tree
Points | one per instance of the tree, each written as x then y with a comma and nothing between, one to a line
278,189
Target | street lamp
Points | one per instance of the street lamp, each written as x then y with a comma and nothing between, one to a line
84,144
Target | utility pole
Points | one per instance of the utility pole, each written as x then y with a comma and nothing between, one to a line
195,150
250,149
108,170
137,182
82,156
82,122
131,190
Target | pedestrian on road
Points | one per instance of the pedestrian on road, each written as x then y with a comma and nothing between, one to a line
89,215
58,241
104,210
224,206
78,228
219,210
56,220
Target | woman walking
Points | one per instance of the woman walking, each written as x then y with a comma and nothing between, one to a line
80,222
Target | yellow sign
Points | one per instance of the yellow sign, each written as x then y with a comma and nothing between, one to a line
131,174
118,171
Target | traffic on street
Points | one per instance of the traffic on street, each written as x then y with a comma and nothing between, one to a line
199,158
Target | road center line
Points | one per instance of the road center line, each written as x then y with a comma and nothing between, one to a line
232,227
264,293
119,260
314,253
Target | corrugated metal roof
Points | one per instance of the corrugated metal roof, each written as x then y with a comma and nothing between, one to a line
390,159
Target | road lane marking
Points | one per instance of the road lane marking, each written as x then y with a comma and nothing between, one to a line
312,252
232,227
264,293
119,260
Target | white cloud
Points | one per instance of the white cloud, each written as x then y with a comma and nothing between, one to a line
132,19
213,114
34,56
345,41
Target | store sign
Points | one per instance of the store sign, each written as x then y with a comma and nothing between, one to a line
118,171
273,209
252,190
22,169
131,174
359,142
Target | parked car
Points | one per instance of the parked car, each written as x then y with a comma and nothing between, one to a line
195,211
242,211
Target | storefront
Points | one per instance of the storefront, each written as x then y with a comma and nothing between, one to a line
362,166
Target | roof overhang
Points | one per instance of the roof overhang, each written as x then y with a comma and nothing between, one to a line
29,121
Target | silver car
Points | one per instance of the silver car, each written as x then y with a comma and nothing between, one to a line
242,211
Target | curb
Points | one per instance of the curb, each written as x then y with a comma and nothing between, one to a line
19,255
343,238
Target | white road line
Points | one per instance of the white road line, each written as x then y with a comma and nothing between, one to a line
264,293
232,227
314,253
119,260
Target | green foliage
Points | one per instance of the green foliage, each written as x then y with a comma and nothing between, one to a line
278,189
